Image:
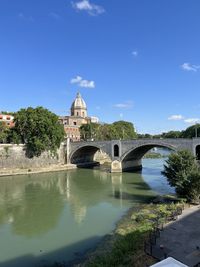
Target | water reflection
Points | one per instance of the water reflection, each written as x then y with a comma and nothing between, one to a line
32,208
34,204
49,211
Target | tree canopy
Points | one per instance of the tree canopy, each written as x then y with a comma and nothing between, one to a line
116,130
191,131
39,129
4,131
182,172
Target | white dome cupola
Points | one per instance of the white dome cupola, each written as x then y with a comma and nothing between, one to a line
79,108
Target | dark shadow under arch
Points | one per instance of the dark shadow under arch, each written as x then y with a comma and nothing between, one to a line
84,156
139,152
116,151
197,152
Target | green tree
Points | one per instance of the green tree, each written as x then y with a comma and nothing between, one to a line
106,132
4,132
89,131
39,129
178,169
7,113
147,136
172,134
14,137
124,130
191,131
193,186
116,130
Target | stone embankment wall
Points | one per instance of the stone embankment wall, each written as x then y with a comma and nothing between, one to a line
14,157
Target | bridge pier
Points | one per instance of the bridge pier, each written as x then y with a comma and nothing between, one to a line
131,165
116,166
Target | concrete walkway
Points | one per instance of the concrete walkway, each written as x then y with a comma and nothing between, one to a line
182,237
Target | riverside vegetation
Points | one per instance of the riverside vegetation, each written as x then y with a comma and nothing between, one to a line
37,128
126,246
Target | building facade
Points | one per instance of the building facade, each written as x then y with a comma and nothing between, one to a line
7,119
77,118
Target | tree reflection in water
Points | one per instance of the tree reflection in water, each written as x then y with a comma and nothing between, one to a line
33,204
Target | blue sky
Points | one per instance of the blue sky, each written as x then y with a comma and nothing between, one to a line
136,60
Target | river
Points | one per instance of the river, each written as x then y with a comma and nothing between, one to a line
57,216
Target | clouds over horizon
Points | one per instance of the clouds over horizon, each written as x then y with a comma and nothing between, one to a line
87,6
78,80
182,118
192,120
190,67
175,117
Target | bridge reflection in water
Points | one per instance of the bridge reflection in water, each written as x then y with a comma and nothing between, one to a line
48,191
50,211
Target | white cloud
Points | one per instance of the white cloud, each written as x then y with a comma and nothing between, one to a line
176,117
190,67
135,53
24,17
125,105
121,115
192,120
54,15
77,79
21,16
90,8
82,82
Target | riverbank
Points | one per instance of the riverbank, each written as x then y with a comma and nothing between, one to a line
154,155
52,168
125,245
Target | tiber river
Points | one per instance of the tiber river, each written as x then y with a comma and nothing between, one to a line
57,216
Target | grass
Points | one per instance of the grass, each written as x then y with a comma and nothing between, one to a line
126,246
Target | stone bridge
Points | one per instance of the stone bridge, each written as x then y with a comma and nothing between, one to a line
125,155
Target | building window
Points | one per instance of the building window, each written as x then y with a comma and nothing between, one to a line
74,122
83,113
77,114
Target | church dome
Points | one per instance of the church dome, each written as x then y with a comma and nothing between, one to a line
79,108
78,103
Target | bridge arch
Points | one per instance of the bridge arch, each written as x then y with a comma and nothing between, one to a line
132,159
86,156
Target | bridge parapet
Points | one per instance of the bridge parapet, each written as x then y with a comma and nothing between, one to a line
127,153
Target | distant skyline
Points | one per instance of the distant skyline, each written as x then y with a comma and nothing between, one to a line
136,60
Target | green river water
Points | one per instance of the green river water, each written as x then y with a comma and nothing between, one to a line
57,216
